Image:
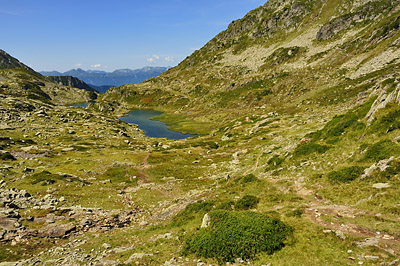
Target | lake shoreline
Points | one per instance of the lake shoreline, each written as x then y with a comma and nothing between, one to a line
154,128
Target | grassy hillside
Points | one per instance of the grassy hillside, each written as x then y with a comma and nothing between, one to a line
298,161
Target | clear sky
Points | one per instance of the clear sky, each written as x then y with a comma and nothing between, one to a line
112,34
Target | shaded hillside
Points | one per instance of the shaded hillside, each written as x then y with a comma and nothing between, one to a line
71,81
18,80
9,62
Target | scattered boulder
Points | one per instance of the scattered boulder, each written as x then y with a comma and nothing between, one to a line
206,221
136,256
29,170
106,246
56,230
380,185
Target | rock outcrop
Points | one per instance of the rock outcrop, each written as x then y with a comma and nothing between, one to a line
71,81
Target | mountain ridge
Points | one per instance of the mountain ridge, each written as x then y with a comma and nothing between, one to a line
19,80
115,78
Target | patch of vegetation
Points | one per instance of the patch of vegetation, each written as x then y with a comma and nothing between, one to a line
387,30
6,156
250,178
274,162
45,178
388,81
184,125
388,122
226,205
206,144
283,55
242,44
392,170
381,150
198,208
247,202
251,91
234,235
345,175
334,130
308,148
296,213
120,174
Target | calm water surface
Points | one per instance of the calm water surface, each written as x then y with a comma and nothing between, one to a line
152,128
82,105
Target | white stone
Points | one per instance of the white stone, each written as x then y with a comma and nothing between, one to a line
206,221
380,185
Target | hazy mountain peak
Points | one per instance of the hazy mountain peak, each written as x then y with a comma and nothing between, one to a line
116,78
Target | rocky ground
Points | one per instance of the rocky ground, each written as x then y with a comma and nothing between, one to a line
82,188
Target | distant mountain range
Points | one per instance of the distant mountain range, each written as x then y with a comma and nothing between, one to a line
102,80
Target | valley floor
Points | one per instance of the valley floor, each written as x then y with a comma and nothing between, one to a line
81,188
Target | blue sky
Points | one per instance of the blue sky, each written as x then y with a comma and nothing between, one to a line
108,35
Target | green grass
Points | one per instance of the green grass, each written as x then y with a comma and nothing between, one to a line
274,162
387,122
247,202
183,124
346,174
120,174
381,150
310,148
191,211
46,178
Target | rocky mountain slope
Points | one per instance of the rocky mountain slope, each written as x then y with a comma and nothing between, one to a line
9,62
71,81
298,161
284,51
18,80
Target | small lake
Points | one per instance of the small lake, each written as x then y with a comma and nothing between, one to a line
152,128
81,105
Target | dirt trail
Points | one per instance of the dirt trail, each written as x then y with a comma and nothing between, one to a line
142,175
318,208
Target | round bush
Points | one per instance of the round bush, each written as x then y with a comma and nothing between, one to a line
232,235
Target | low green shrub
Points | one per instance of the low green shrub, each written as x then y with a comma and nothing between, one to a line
392,170
198,208
381,150
346,174
309,148
227,205
388,123
247,202
274,162
45,177
341,124
232,235
296,213
250,178
6,156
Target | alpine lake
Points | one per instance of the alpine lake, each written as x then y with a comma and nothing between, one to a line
153,128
